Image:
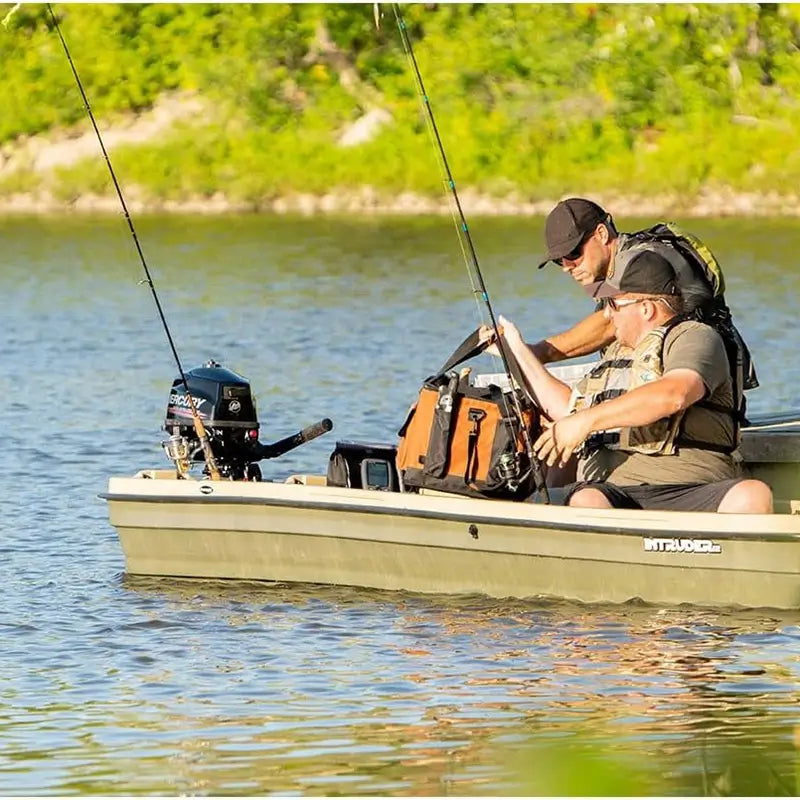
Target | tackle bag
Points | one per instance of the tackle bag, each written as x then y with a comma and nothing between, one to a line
467,439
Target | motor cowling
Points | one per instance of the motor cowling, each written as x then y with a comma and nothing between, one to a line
226,407
224,402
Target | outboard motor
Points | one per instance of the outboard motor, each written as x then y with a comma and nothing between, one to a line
227,409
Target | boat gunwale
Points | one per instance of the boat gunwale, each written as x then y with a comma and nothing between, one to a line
379,510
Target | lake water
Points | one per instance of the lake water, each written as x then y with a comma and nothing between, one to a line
111,684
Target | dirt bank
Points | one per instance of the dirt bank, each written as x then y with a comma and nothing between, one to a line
41,155
366,200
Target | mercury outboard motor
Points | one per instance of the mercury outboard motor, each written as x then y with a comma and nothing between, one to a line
227,409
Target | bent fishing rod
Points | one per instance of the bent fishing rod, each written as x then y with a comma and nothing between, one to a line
199,428
463,231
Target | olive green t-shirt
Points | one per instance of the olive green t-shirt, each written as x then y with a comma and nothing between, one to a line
689,345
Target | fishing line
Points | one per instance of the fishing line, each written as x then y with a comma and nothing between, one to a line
198,423
468,248
462,230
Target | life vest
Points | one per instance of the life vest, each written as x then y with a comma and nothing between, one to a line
624,368
702,286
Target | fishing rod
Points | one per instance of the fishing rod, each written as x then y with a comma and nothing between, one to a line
472,259
199,428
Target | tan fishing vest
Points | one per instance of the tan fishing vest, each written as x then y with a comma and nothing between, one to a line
622,369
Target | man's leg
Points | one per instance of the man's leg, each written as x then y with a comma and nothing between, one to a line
747,497
733,495
596,494
589,498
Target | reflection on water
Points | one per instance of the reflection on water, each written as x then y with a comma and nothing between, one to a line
245,688
115,685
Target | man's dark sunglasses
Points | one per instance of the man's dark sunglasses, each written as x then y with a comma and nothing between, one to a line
575,254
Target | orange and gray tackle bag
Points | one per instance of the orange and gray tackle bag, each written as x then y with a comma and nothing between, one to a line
467,439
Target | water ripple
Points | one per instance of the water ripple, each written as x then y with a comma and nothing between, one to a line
115,685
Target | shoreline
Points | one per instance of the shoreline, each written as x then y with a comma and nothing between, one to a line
367,201
41,154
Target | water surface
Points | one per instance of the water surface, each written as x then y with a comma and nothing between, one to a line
111,684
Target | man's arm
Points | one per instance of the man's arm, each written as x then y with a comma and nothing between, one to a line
587,336
673,392
552,395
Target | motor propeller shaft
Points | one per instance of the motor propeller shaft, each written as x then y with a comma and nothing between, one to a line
295,440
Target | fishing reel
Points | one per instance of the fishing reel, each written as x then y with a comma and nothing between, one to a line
224,404
508,467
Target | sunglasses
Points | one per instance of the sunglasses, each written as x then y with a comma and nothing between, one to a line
577,251
616,305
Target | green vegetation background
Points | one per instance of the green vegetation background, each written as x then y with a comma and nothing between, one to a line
531,100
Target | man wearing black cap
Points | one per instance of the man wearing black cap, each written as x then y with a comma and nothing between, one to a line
582,239
653,422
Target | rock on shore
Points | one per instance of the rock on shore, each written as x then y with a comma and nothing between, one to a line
368,201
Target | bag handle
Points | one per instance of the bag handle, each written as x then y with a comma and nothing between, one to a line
472,346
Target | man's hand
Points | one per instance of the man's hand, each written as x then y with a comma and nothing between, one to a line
559,440
508,330
486,334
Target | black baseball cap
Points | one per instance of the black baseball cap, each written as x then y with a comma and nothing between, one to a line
646,273
568,224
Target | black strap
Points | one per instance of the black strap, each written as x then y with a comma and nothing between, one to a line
604,439
438,453
695,444
598,440
608,394
475,415
471,347
615,363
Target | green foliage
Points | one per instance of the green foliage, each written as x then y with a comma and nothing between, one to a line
743,761
538,99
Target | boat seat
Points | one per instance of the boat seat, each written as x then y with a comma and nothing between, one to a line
771,438
770,446
784,419
157,474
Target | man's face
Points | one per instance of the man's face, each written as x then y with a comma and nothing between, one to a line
589,261
625,313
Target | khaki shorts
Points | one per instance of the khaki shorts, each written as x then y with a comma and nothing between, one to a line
664,497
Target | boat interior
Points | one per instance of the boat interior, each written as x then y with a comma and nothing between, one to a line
770,447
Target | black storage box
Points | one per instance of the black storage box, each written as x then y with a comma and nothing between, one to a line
364,465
